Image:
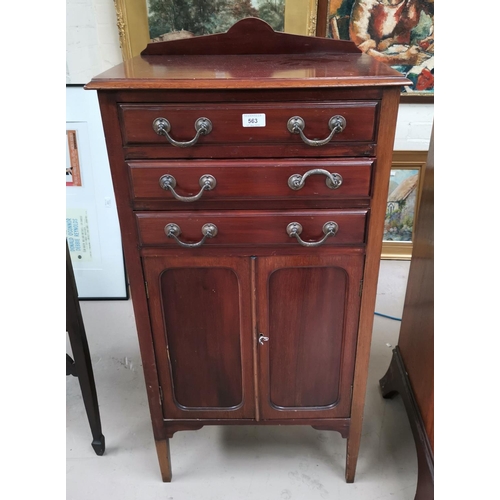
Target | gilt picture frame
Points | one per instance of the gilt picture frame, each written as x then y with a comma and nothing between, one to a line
403,201
133,21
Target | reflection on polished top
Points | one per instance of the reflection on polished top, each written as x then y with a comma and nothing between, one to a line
254,56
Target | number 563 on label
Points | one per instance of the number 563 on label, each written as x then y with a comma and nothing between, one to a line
254,120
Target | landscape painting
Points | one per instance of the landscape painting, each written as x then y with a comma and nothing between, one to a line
176,19
401,205
397,32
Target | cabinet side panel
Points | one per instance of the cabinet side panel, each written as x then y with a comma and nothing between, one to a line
202,316
385,141
306,335
128,229
416,339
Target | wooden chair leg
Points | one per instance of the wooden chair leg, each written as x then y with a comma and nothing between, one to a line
82,366
163,450
70,366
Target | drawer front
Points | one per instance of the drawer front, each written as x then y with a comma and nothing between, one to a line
252,228
183,182
229,125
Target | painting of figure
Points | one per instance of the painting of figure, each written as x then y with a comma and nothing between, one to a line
397,32
174,19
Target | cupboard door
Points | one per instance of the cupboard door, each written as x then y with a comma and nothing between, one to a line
200,310
308,308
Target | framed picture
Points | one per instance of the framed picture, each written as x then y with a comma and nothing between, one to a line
397,32
142,21
73,173
405,186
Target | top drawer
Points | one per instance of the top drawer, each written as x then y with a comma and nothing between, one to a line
257,129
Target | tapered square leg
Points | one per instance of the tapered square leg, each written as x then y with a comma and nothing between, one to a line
163,450
351,458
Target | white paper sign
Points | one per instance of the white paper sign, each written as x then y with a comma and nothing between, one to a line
78,234
254,120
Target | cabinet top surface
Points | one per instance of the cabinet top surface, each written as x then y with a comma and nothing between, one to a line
249,55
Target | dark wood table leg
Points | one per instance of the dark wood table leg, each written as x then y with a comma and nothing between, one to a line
82,366
396,381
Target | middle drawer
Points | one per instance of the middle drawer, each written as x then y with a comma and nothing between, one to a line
252,179
310,228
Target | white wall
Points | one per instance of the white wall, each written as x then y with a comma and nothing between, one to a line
92,42
102,274
414,126
92,46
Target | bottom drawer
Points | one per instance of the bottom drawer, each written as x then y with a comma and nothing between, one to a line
252,228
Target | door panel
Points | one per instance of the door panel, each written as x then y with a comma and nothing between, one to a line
308,308
201,315
306,331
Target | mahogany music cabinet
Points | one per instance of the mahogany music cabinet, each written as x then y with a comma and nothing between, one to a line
251,172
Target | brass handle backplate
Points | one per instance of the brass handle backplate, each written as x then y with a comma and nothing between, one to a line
203,126
294,229
208,230
296,125
207,183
